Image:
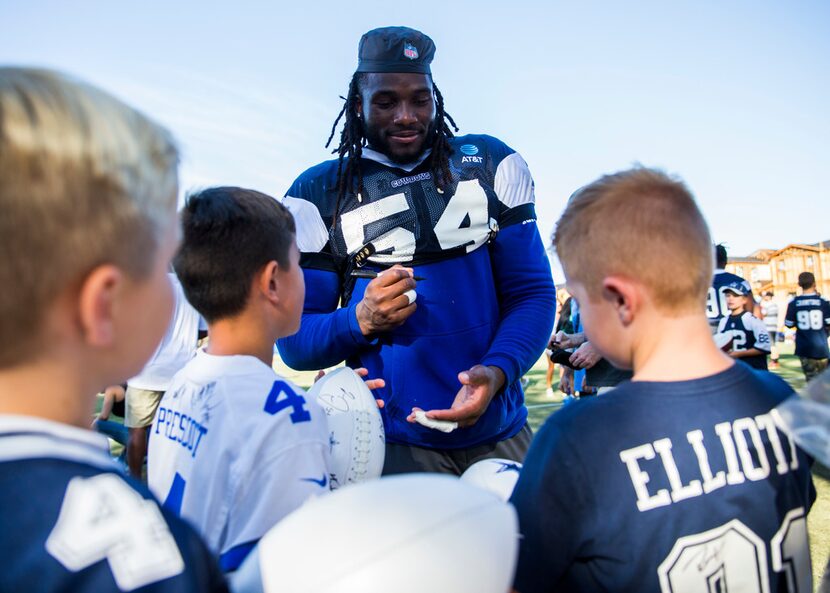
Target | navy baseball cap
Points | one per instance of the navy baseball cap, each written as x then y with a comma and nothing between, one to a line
395,49
741,288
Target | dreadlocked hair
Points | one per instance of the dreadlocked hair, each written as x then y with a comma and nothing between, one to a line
352,141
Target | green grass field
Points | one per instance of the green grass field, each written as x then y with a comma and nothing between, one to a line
818,521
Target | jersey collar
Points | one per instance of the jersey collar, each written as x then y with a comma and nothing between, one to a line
379,157
27,437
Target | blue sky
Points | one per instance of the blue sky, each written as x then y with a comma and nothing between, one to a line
733,97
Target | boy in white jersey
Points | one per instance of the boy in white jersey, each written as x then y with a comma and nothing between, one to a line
234,447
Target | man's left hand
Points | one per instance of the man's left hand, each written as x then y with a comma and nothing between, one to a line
478,387
585,356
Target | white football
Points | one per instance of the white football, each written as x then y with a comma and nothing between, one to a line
723,340
408,534
356,437
498,476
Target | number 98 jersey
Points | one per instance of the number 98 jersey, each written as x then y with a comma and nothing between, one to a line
810,315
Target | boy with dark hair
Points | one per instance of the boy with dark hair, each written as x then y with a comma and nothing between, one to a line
748,337
88,189
716,308
684,479
234,447
809,314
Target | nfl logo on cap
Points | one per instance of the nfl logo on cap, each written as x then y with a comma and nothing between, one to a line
410,51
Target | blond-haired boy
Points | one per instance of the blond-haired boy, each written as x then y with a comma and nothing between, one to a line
87,229
682,478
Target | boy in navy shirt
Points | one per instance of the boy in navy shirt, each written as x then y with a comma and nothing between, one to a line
809,314
87,229
682,478
749,338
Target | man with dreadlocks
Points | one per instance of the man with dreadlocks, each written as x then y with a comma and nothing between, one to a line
458,212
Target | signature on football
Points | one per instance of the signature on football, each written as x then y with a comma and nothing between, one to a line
338,401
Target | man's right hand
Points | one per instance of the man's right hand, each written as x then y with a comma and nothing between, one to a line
385,305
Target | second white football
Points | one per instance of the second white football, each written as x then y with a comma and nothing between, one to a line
356,436
412,533
499,476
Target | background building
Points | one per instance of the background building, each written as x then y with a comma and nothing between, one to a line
777,270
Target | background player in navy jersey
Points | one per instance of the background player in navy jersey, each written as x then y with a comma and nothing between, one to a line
749,340
88,198
716,308
457,211
682,478
809,314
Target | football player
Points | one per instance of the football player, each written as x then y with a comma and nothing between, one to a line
87,228
809,314
750,341
457,211
683,478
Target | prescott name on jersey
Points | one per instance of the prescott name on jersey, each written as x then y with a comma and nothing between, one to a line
233,449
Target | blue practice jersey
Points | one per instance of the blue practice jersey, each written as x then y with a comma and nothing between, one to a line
747,332
70,521
810,315
716,308
488,297
667,487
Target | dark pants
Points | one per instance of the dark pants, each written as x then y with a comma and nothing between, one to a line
405,459
812,366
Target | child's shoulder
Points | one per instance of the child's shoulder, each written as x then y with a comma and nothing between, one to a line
54,488
739,383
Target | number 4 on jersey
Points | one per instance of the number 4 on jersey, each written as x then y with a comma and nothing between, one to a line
282,396
102,518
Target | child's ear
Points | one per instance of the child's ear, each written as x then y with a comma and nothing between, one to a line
624,295
98,303
269,281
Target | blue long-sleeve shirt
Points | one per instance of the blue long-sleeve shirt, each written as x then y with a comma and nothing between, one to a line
487,298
